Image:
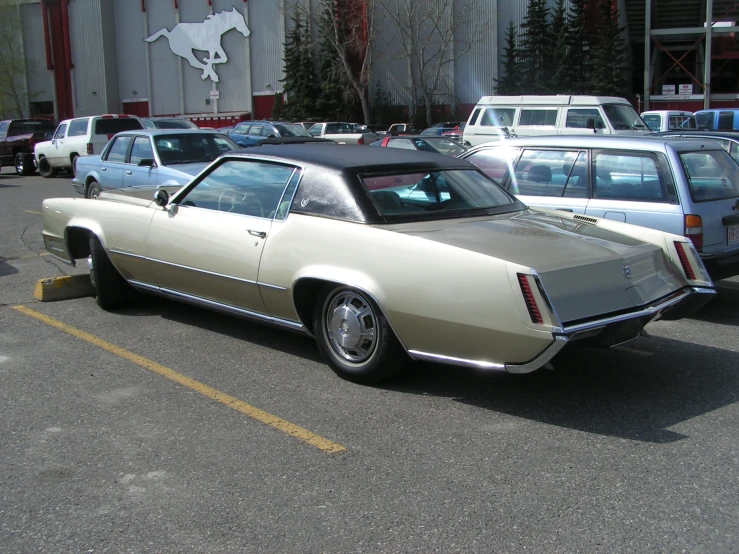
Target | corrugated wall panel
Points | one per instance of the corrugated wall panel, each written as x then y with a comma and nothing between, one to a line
165,86
475,72
131,50
389,68
40,85
88,74
110,56
234,85
266,44
197,90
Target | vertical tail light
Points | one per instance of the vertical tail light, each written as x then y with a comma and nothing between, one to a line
684,261
361,140
525,281
694,230
89,148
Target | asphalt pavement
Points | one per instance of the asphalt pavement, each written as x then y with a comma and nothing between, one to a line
166,428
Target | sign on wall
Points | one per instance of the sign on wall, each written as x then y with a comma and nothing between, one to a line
185,38
686,89
668,90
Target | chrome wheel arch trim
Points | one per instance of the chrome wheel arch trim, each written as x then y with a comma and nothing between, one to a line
218,306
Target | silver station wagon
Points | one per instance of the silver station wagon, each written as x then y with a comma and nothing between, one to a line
681,186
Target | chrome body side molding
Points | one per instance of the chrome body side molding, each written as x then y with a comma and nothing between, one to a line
219,307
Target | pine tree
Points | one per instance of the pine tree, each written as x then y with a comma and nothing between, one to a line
559,51
510,82
300,83
533,54
578,46
608,53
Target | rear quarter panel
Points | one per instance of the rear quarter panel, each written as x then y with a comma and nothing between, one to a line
439,299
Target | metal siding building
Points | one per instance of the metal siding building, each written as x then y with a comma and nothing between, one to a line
110,67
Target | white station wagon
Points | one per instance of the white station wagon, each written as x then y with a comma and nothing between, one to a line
682,186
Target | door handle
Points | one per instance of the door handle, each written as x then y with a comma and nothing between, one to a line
260,234
129,172
103,169
564,209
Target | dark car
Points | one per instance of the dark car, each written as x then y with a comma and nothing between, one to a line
17,139
248,133
438,145
728,140
441,128
169,123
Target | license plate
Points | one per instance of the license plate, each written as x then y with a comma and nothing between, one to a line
733,234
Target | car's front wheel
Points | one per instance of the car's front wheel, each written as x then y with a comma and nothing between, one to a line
93,190
111,290
355,338
45,168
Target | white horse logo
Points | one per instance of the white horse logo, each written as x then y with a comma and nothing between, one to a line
184,38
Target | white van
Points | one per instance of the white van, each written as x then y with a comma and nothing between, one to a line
669,120
81,136
496,117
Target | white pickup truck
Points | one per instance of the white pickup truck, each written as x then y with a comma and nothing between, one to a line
342,133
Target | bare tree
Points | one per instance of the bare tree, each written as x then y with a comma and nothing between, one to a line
350,27
13,91
432,35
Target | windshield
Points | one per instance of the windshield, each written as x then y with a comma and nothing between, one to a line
623,117
712,175
292,130
436,193
442,146
192,147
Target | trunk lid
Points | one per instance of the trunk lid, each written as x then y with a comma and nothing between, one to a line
586,271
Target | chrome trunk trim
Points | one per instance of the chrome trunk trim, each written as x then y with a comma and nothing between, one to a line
429,357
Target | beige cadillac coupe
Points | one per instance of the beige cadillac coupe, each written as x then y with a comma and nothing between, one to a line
383,256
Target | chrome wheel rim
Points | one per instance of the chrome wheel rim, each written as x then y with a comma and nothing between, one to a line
92,273
19,165
351,326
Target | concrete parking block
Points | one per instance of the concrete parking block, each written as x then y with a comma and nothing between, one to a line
63,288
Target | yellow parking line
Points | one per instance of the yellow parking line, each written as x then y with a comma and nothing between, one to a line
635,351
32,212
33,256
246,409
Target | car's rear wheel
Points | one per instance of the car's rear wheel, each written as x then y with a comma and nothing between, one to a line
93,190
111,290
355,338
24,164
45,168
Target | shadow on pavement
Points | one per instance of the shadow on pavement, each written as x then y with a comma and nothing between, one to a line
5,268
634,393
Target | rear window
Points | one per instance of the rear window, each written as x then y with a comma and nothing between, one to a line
435,193
704,120
25,127
115,125
653,121
712,175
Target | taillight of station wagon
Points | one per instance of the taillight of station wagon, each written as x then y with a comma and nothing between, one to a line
694,230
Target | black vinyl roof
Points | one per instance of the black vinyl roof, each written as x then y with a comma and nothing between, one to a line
344,156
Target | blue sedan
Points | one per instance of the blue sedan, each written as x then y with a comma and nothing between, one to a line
149,158
248,133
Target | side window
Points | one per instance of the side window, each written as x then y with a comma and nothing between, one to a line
332,128
3,127
704,120
734,151
544,172
78,128
473,119
242,129
496,163
268,131
117,150
243,187
497,117
141,150
537,117
287,196
404,144
725,121
577,175
577,118
315,130
628,176
255,130
60,131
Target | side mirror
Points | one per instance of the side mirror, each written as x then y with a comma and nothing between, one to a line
161,197
147,162
272,136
